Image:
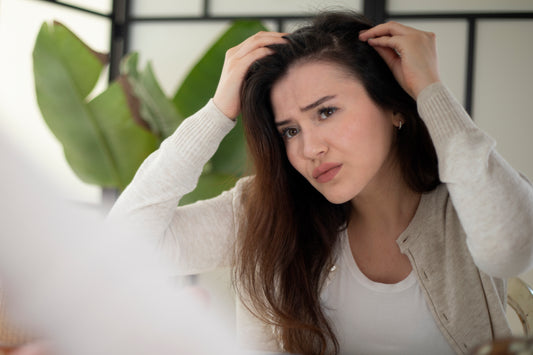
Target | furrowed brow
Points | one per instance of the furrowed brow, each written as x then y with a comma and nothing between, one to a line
282,123
317,103
307,108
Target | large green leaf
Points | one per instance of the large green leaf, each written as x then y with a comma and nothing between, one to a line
103,139
197,88
155,108
210,185
201,82
101,142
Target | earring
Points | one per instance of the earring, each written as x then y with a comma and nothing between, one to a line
400,125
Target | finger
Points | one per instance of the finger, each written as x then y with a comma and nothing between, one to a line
226,96
386,41
385,29
254,55
258,39
389,55
261,35
261,39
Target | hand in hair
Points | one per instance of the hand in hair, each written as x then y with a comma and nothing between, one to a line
238,60
410,54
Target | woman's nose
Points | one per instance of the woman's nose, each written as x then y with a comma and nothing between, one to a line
313,144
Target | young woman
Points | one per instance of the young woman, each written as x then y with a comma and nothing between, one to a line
379,219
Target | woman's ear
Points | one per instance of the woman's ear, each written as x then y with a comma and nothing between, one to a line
397,120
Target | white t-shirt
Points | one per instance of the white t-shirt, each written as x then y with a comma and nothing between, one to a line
375,318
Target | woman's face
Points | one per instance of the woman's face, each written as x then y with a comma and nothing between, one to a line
334,134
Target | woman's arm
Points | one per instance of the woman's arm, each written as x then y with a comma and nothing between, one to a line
149,204
493,202
200,236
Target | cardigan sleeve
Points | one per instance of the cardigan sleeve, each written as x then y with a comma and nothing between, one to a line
196,237
493,201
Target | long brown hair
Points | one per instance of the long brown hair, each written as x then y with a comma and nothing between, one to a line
289,231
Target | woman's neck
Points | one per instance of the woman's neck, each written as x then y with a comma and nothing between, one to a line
384,212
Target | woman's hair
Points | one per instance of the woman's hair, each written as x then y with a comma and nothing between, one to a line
289,231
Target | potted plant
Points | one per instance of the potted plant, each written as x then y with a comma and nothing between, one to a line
106,138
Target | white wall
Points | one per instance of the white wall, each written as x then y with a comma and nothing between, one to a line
411,6
502,101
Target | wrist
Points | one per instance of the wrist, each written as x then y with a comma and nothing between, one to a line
423,85
226,110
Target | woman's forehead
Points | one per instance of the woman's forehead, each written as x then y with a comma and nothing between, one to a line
305,85
311,77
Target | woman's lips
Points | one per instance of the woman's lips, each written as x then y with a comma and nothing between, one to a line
326,172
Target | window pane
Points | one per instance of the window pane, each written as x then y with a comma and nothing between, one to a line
173,48
451,48
281,7
141,8
103,6
399,6
502,97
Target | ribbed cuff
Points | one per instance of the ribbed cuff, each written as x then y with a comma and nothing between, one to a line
443,115
198,137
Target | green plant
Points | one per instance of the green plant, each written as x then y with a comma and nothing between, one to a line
106,138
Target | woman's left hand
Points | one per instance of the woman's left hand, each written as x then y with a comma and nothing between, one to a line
411,54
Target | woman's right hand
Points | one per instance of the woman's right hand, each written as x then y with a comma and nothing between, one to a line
411,54
238,60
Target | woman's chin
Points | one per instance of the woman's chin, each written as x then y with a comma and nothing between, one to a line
338,199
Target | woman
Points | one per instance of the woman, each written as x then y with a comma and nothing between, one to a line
345,240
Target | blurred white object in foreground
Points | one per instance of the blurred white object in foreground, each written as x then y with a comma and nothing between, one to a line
88,288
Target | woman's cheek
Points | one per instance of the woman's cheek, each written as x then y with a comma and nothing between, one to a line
292,155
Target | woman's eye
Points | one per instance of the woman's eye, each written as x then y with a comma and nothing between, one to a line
289,132
326,112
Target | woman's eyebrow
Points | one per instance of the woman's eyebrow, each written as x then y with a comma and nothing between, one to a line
308,107
282,123
317,103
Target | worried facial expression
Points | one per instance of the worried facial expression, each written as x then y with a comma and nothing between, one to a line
334,134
